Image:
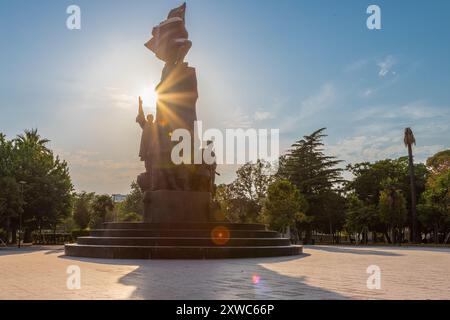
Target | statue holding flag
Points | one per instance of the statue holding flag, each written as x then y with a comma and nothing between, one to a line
175,109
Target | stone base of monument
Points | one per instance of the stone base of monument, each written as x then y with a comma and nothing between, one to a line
195,240
167,206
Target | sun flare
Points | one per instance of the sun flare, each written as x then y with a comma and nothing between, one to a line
149,97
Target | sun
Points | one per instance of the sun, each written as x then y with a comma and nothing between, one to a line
149,96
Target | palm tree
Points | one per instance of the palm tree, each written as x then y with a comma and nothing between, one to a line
31,138
409,141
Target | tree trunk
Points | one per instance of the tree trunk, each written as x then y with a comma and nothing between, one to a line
446,238
436,234
331,232
27,236
294,235
14,235
299,235
308,235
388,239
413,194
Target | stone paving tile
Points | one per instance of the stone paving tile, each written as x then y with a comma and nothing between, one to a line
323,272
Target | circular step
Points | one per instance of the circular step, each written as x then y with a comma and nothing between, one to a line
201,240
183,226
180,233
159,252
138,241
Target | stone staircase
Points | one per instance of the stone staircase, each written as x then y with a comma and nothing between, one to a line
195,240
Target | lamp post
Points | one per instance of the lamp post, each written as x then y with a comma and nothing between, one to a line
22,183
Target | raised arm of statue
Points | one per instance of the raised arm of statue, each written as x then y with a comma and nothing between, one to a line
141,116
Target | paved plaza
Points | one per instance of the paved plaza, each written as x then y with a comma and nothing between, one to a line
322,272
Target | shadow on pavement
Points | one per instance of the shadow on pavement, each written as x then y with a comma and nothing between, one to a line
214,279
7,251
355,250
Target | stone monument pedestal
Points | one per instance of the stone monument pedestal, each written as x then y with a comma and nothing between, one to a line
186,240
171,206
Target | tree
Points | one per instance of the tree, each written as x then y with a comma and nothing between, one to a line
102,206
229,206
10,199
439,162
82,209
242,200
32,139
409,140
132,208
432,217
47,193
360,217
284,206
318,179
434,208
392,208
369,178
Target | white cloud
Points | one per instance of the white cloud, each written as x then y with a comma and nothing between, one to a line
235,118
119,99
421,110
312,105
90,172
415,110
386,66
262,115
368,92
373,148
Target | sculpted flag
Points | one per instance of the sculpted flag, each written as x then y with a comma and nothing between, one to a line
170,38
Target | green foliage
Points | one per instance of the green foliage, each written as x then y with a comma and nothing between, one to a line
318,179
82,209
434,207
440,161
101,210
392,207
311,171
284,206
10,199
223,198
131,217
242,200
439,190
369,177
370,180
360,217
132,208
47,192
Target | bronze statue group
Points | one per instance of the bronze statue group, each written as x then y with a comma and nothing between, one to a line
161,173
175,109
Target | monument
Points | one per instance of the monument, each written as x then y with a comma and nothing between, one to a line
163,182
179,219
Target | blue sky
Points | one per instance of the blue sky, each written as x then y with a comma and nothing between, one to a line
293,65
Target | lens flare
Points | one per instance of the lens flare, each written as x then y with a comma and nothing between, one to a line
220,235
256,279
